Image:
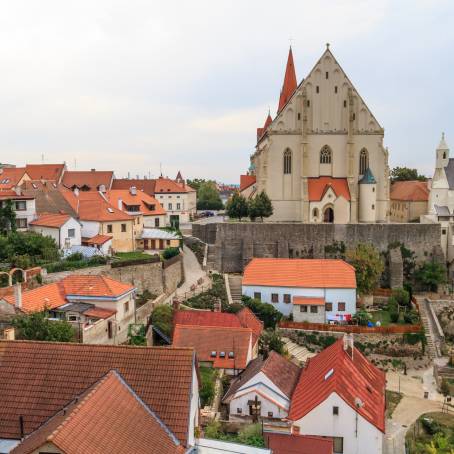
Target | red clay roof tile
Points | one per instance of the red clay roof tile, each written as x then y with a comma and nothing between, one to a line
298,444
92,179
246,181
317,187
414,191
51,220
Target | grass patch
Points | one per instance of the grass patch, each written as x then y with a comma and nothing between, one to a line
392,400
133,255
208,378
382,316
432,432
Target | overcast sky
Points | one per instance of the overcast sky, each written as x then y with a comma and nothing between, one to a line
127,85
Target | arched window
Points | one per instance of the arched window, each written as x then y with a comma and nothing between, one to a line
363,161
315,212
287,162
325,155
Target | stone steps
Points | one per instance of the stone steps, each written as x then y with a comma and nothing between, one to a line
235,283
431,343
298,354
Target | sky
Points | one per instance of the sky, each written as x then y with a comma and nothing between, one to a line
138,86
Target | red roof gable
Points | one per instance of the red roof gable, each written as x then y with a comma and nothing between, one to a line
261,131
246,181
290,83
317,187
249,320
311,273
52,172
51,220
350,379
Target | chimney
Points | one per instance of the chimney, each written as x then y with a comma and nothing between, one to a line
120,203
93,170
102,188
133,190
76,192
217,305
348,344
18,295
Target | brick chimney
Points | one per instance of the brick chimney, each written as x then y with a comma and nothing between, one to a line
18,295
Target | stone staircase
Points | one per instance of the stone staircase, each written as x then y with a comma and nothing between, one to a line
235,283
427,323
211,257
298,354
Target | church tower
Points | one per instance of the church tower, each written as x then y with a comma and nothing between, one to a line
367,197
440,186
442,153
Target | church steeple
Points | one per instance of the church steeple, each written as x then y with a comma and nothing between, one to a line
442,153
290,83
261,131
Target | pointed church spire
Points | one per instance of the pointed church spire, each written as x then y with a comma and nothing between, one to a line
268,121
290,83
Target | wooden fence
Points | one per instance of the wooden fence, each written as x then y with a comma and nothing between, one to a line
357,329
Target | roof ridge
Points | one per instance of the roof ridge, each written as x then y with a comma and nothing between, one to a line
229,328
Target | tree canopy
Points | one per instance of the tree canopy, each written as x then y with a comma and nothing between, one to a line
237,206
260,206
431,275
368,267
7,217
208,196
405,174
37,326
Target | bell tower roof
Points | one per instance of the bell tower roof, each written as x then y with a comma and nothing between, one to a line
290,83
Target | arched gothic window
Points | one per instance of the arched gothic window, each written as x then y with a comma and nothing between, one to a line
287,162
325,155
363,161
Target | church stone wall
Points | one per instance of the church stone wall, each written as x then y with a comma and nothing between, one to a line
235,244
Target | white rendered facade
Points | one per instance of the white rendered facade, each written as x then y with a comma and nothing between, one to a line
359,435
69,234
324,114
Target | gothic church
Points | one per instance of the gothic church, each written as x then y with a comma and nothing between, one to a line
321,159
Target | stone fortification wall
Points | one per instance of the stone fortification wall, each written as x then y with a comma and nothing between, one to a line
236,243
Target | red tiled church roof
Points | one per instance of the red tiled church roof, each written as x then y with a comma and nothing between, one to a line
40,378
290,84
413,191
246,181
335,371
317,187
312,273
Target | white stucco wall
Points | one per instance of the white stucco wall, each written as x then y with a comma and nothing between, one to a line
89,228
347,296
149,221
71,223
321,421
194,408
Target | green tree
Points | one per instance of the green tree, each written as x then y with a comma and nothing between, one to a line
368,267
253,209
37,326
260,206
270,340
196,183
405,174
208,197
237,206
431,275
7,217
207,391
265,312
162,318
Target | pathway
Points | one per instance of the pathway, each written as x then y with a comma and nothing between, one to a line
192,272
298,354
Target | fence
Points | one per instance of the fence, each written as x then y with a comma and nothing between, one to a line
357,329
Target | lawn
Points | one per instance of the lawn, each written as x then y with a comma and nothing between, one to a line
133,255
382,316
432,432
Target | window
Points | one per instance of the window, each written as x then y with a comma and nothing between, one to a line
328,307
274,298
287,162
239,410
126,306
338,443
317,89
299,116
373,206
123,227
325,155
109,329
231,355
444,155
170,206
221,354
354,117
168,242
156,222
71,233
335,89
21,205
341,307
109,228
21,223
73,318
443,231
326,75
315,212
287,298
363,161
257,296
270,414
213,354
303,308
345,103
335,411
178,206
314,309
308,103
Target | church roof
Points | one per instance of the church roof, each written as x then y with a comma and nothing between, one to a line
368,177
415,191
290,83
449,170
317,187
442,210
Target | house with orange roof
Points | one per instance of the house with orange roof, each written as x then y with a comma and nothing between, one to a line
312,290
408,200
63,228
341,395
88,180
100,308
24,206
99,217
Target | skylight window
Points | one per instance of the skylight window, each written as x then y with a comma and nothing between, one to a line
329,373
213,354
231,355
110,210
221,354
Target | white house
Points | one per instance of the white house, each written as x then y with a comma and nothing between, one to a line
23,206
314,290
271,381
340,394
64,229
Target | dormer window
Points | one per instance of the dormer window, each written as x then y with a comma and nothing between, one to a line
231,355
221,354
213,354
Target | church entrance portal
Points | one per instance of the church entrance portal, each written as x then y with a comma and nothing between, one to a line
328,215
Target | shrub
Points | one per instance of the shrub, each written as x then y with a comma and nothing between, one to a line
162,318
394,316
170,252
251,435
430,426
270,340
77,256
207,389
402,297
269,315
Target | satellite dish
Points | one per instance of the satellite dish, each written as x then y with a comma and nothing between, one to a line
358,402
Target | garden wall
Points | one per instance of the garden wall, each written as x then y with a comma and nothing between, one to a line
235,243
